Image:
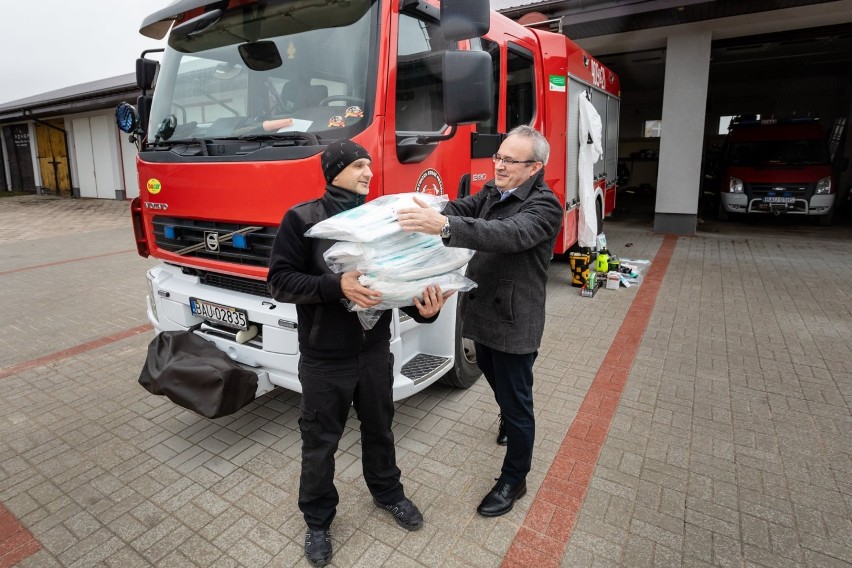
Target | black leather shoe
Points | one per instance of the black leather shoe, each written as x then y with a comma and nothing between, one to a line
502,439
501,499
318,547
405,513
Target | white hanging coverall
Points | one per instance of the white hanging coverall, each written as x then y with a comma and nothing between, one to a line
590,152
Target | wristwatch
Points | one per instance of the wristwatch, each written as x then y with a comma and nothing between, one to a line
445,230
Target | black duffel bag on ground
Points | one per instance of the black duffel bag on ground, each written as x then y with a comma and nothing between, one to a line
194,374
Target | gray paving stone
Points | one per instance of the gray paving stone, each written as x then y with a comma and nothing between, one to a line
729,445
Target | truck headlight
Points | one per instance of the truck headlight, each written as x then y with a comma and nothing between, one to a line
153,298
823,186
736,185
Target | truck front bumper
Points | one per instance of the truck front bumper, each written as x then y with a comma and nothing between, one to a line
274,352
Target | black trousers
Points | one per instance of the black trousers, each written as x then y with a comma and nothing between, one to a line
511,378
329,389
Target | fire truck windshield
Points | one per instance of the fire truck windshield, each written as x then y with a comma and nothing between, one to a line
207,90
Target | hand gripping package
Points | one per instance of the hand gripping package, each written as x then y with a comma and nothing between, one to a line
398,264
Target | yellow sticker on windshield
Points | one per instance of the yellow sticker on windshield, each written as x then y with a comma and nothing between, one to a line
154,186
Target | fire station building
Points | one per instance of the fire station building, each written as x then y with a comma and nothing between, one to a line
687,67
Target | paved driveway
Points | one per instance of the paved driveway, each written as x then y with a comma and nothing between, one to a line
700,419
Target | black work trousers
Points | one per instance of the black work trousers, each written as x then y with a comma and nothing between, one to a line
511,378
329,388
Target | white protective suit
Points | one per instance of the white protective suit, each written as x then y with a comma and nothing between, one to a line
590,152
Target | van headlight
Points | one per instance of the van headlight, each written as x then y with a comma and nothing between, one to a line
736,185
823,186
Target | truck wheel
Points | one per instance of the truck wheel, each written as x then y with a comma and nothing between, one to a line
721,214
825,220
465,372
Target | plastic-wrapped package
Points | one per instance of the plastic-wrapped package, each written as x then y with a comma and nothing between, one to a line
398,264
345,256
404,268
398,293
374,220
428,257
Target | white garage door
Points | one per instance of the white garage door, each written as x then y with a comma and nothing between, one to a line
94,141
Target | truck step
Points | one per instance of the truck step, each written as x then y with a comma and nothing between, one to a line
423,366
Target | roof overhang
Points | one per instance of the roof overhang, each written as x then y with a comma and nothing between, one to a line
70,105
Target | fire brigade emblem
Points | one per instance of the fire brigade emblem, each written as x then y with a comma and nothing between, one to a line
430,182
353,112
211,241
336,122
154,186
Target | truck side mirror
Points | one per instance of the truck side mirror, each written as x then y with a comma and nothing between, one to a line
146,71
143,107
465,19
468,86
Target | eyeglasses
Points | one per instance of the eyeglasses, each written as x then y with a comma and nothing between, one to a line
498,158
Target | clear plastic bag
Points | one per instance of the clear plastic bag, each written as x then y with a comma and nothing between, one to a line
345,256
639,268
435,263
374,220
398,294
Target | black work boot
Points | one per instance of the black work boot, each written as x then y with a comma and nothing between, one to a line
318,547
405,513
502,439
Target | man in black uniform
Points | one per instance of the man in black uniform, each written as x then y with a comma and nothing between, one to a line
341,364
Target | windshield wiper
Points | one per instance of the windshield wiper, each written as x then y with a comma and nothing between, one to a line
291,135
185,142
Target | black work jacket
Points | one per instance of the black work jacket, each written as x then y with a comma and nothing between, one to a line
299,275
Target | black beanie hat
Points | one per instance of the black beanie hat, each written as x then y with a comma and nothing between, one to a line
340,154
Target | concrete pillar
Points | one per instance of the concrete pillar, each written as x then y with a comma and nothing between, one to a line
684,109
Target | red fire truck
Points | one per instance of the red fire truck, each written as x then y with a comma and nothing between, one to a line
249,92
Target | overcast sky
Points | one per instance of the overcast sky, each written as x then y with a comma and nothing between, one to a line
51,44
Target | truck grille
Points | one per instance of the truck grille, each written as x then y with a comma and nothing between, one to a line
235,283
215,240
760,190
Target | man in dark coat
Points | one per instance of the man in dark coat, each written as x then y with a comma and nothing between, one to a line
512,224
340,364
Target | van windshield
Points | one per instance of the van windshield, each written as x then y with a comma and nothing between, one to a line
778,152
206,90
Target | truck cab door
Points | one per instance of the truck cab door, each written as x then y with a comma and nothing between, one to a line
515,100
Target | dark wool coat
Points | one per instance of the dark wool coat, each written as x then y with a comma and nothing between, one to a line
514,241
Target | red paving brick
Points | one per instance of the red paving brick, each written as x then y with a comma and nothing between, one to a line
550,521
23,268
76,350
16,542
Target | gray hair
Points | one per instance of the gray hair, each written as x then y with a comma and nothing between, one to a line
541,147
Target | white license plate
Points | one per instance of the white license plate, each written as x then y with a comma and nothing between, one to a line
774,199
226,315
